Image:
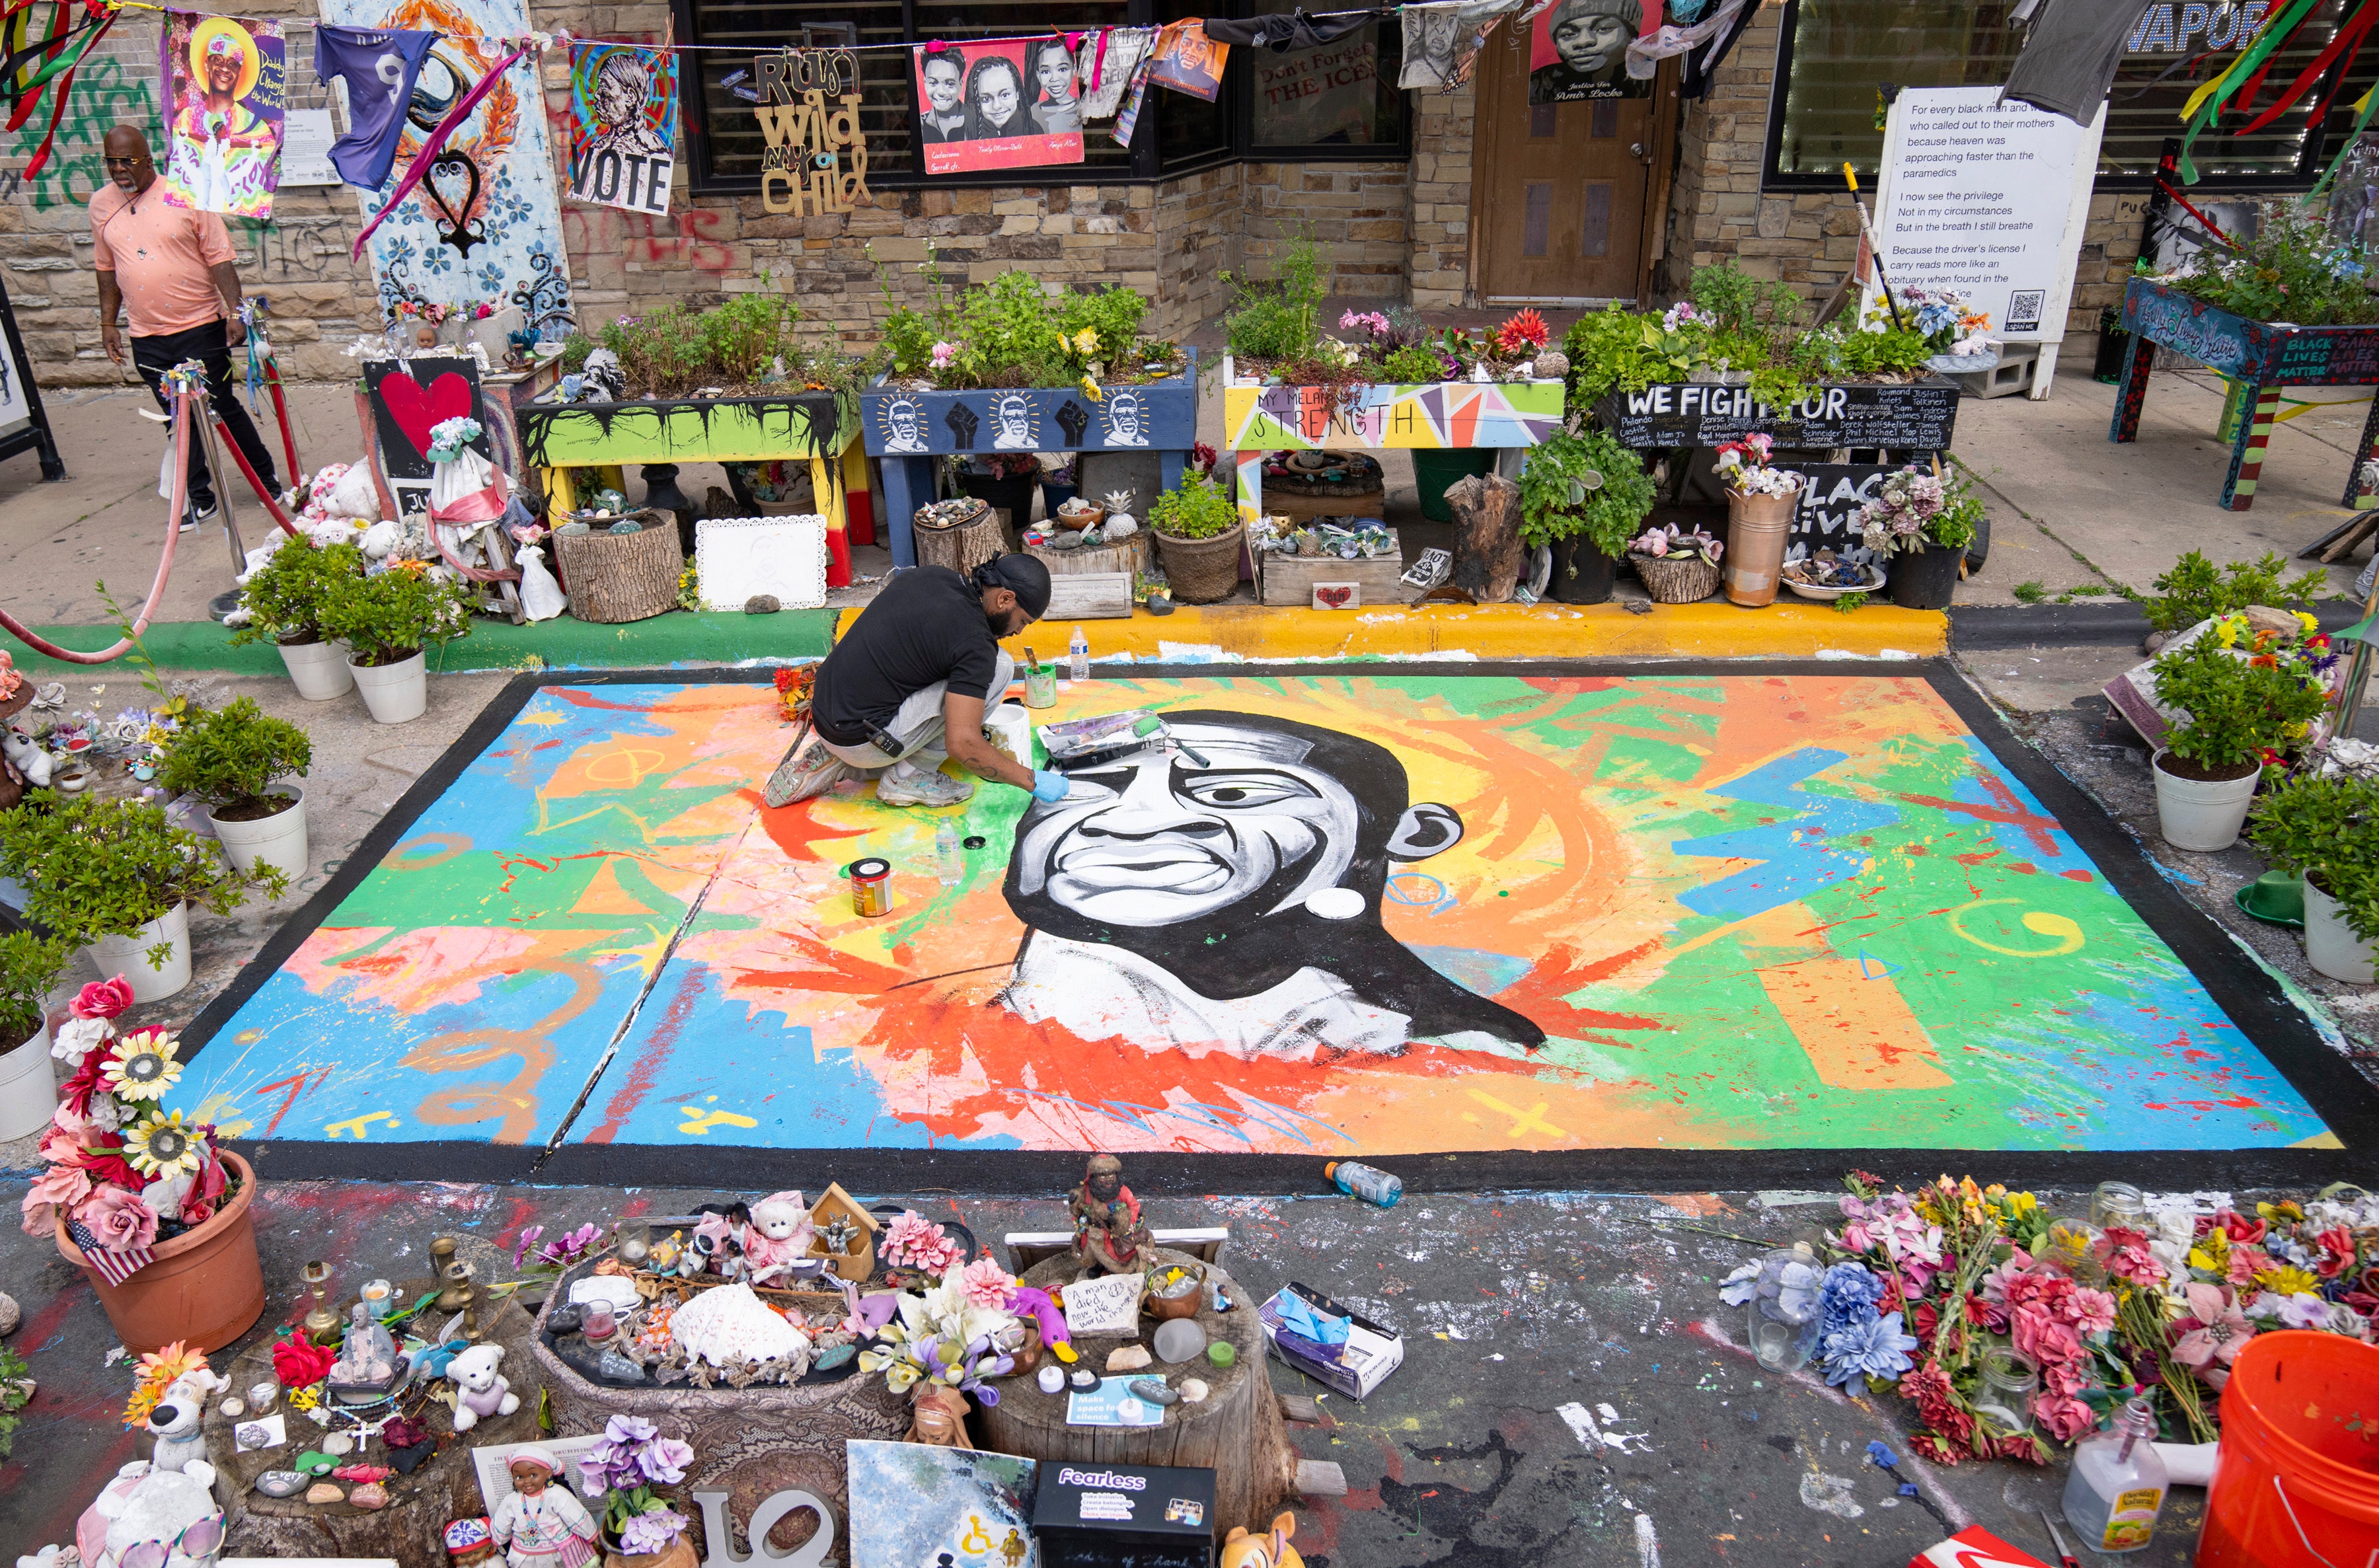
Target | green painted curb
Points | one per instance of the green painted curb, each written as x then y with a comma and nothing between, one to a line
679,637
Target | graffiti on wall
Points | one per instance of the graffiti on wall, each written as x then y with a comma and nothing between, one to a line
105,97
1385,913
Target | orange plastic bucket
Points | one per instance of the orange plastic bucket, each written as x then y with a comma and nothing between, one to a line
2297,1481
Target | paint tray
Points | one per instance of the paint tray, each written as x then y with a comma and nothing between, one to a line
1073,742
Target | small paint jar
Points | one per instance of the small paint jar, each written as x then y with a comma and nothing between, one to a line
871,887
1041,686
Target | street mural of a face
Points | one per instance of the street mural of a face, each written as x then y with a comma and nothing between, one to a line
1207,871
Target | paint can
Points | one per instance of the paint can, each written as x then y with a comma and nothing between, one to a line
871,887
1041,686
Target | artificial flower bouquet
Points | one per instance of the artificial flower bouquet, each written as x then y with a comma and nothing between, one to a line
1742,465
1946,319
950,1333
627,1463
1676,542
121,1170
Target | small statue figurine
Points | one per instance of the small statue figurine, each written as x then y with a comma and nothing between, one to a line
938,1416
538,1523
1109,1234
482,1392
777,1242
469,1542
368,1363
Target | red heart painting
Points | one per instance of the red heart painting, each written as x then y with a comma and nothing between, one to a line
1334,597
417,410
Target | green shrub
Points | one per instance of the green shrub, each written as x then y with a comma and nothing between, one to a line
390,616
1742,303
104,867
1584,484
284,598
2236,705
29,965
1193,508
2326,831
1411,366
230,756
1279,319
2194,590
2288,271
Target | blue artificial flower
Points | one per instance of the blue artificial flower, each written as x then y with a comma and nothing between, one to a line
1848,1295
1875,1348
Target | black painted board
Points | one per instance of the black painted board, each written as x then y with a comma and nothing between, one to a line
1913,416
410,396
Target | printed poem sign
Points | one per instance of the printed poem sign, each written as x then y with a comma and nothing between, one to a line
1986,199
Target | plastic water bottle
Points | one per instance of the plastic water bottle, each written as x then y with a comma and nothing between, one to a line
1079,653
947,860
1366,1182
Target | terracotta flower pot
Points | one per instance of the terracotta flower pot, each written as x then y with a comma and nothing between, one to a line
205,1286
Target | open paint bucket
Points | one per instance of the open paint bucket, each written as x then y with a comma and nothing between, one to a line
2296,1479
871,887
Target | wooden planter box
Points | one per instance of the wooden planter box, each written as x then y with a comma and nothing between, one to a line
1289,579
1430,415
2264,355
1909,417
819,428
909,429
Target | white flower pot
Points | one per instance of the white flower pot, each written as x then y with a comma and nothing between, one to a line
278,839
2331,946
29,1087
397,692
128,956
319,669
2201,814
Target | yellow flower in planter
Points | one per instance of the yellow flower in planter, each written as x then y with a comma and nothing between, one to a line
1086,341
163,1145
1090,389
141,1066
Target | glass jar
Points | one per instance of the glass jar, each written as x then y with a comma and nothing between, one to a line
2008,1386
636,1240
600,1324
2078,1247
2119,1204
1783,1310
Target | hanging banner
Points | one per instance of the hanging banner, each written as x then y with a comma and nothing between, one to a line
1008,95
815,161
1578,50
485,222
622,125
1188,61
380,69
224,80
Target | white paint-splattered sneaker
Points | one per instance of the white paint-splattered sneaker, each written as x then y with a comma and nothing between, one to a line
808,769
905,784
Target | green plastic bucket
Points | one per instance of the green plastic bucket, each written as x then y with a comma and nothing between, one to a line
1435,470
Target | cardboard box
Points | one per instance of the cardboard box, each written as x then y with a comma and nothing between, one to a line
1355,1368
1974,1547
1091,1515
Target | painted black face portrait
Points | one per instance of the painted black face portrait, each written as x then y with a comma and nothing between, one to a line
1208,871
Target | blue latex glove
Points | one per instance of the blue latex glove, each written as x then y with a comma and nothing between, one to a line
1049,787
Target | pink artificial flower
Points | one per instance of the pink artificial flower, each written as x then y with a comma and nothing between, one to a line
101,999
62,1187
943,353
2246,1262
986,1283
2091,1311
2041,1339
2067,1418
2220,1331
118,1219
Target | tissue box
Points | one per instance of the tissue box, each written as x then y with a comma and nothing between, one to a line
1091,1515
1354,1369
1975,1548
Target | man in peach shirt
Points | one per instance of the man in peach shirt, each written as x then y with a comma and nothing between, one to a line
170,270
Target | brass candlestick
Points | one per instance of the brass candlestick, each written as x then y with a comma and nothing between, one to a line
322,1323
470,1328
442,1267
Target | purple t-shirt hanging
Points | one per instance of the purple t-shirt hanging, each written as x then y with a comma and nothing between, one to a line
380,68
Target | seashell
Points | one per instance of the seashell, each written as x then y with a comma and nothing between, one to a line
1084,1378
1194,1391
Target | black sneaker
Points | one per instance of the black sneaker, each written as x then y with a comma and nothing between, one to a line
194,514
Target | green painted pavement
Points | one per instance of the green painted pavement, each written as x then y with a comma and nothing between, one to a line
679,637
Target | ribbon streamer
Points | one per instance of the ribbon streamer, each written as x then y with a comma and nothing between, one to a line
434,145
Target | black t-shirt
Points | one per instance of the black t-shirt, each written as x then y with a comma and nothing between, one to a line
925,626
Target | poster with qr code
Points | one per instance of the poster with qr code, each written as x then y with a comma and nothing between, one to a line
2024,309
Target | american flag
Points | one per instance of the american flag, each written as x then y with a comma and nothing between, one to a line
113,1267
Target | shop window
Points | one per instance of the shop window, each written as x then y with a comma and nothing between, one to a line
1338,99
1191,132
1838,54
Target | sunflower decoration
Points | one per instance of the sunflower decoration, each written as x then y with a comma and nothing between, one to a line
141,1066
157,1372
164,1146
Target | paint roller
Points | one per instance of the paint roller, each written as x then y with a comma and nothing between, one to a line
1149,730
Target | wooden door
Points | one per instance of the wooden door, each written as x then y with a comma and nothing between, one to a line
1561,193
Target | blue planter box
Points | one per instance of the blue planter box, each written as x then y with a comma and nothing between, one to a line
909,429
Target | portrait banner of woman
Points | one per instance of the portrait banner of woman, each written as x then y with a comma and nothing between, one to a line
1015,105
622,126
1578,50
224,80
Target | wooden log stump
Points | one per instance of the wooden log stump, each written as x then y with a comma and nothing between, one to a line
1488,559
411,1527
1236,1431
616,577
964,545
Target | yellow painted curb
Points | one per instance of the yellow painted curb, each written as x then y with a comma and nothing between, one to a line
1503,630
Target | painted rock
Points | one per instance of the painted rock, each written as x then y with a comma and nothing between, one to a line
324,1491
231,1407
627,525
371,1494
762,604
566,1319
613,1365
315,1464
1128,1359
1193,1392
1154,1390
280,1483
833,1356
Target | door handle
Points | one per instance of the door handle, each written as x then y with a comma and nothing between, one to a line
1643,155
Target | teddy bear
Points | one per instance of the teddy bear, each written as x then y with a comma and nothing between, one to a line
778,1239
482,1391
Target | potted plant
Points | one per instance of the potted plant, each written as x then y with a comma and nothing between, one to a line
283,598
386,620
230,759
630,1463
2327,829
1760,502
2236,699
29,965
116,875
139,1197
1199,536
1922,525
1678,565
1585,495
